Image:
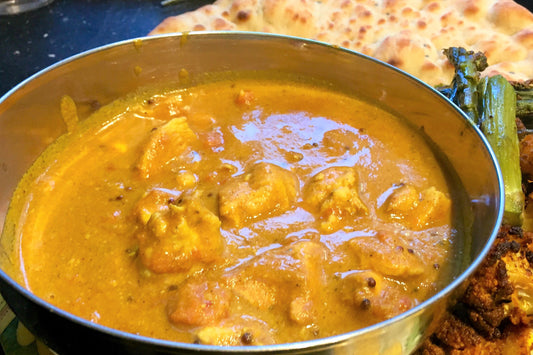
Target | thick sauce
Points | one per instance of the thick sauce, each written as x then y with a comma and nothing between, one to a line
238,213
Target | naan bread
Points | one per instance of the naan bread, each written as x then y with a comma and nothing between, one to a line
409,34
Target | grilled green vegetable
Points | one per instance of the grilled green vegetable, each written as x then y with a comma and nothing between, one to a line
463,91
497,115
524,100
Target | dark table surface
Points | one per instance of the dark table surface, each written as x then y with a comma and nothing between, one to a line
34,40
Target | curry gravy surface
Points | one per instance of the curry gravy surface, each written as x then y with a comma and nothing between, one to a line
238,213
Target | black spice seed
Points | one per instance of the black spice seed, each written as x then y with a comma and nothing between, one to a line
371,282
247,338
365,304
399,248
410,251
436,266
170,201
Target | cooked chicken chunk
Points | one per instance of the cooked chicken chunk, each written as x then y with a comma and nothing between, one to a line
402,201
388,254
374,294
258,293
237,331
334,194
290,276
176,238
165,144
265,190
198,303
418,210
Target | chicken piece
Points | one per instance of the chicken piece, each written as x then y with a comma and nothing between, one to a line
186,180
293,276
301,310
433,209
217,335
402,201
333,193
198,303
418,210
371,293
360,284
388,254
176,238
166,143
237,331
265,190
257,293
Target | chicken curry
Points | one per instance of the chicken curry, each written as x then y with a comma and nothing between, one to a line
237,212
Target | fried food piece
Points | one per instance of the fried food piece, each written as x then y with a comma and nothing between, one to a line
493,316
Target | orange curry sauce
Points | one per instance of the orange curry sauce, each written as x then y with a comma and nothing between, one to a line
238,213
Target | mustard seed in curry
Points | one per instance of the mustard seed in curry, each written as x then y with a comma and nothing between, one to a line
238,213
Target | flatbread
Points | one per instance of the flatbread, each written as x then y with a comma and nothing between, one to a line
409,34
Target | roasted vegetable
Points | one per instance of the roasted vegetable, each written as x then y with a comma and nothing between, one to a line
524,101
491,104
463,91
497,120
493,316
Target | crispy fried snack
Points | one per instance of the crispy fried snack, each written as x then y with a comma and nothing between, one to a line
495,313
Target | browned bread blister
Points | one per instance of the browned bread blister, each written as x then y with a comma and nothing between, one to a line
409,34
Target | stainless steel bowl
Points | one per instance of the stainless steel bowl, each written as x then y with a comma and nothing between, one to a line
30,120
